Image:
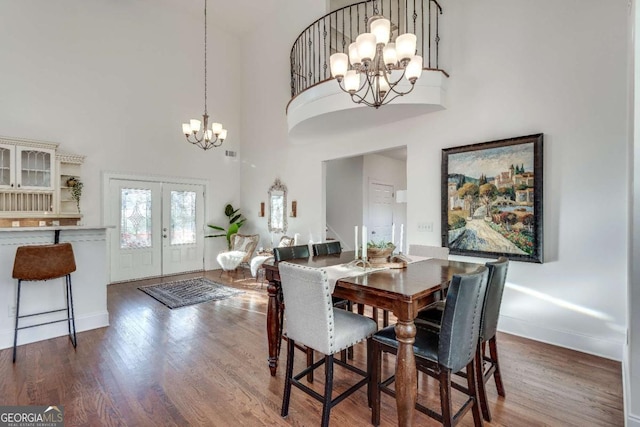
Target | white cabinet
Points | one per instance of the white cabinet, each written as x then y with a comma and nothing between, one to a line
69,166
27,168
7,165
33,183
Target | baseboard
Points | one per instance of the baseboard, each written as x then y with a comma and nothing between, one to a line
41,333
609,349
632,420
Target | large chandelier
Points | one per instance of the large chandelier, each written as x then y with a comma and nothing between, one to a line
197,135
373,76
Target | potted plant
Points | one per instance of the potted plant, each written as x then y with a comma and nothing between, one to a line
379,253
235,222
75,188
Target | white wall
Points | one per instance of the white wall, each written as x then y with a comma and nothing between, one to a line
517,68
114,81
631,365
344,179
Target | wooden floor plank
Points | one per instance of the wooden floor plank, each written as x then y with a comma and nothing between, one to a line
206,365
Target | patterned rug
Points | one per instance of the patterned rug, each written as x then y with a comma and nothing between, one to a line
188,292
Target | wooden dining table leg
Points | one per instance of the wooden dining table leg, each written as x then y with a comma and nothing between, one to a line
406,373
273,326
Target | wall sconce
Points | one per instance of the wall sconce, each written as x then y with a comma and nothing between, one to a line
261,213
294,209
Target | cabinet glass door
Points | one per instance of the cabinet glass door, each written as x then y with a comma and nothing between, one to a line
34,168
6,166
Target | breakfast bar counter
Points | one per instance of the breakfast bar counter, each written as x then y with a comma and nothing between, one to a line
89,281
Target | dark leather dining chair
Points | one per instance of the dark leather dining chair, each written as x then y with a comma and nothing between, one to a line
432,316
327,248
441,353
290,252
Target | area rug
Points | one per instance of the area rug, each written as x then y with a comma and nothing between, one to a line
188,292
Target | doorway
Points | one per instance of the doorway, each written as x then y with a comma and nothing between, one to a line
360,190
159,228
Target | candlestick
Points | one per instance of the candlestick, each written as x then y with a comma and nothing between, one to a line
364,242
356,240
401,235
393,233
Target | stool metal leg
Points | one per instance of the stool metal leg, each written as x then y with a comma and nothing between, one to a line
71,319
15,334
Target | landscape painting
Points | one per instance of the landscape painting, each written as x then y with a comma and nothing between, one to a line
492,199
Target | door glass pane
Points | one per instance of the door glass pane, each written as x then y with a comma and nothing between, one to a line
183,217
135,218
36,168
5,166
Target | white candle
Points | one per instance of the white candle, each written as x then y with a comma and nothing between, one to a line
356,240
401,233
393,233
364,242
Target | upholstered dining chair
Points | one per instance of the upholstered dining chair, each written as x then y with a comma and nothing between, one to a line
432,317
291,252
313,322
242,248
441,353
327,248
429,251
296,252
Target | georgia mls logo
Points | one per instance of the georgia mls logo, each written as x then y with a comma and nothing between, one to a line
56,409
31,416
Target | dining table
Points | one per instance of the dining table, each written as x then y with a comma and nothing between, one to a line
402,291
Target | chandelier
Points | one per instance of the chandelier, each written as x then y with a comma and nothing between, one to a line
375,62
195,134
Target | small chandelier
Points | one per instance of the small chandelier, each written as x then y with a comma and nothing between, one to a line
208,138
373,57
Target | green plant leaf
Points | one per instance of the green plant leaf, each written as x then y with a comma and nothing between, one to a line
235,218
233,229
215,227
216,235
228,210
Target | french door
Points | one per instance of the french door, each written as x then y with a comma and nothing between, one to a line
159,228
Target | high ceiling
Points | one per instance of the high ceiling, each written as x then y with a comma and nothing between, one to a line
239,16
242,15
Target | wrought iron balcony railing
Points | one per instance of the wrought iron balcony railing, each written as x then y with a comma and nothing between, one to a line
336,30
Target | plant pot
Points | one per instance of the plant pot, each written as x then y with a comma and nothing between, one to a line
378,255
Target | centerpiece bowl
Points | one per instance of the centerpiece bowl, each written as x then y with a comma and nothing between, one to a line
379,253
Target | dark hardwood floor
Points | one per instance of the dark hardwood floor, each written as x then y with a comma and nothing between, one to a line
207,365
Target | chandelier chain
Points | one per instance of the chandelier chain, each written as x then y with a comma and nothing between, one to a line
198,132
205,56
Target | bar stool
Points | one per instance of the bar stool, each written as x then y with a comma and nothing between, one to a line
45,262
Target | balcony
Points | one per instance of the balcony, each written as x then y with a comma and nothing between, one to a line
316,98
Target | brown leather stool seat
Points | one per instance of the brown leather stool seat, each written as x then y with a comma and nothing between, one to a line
45,262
